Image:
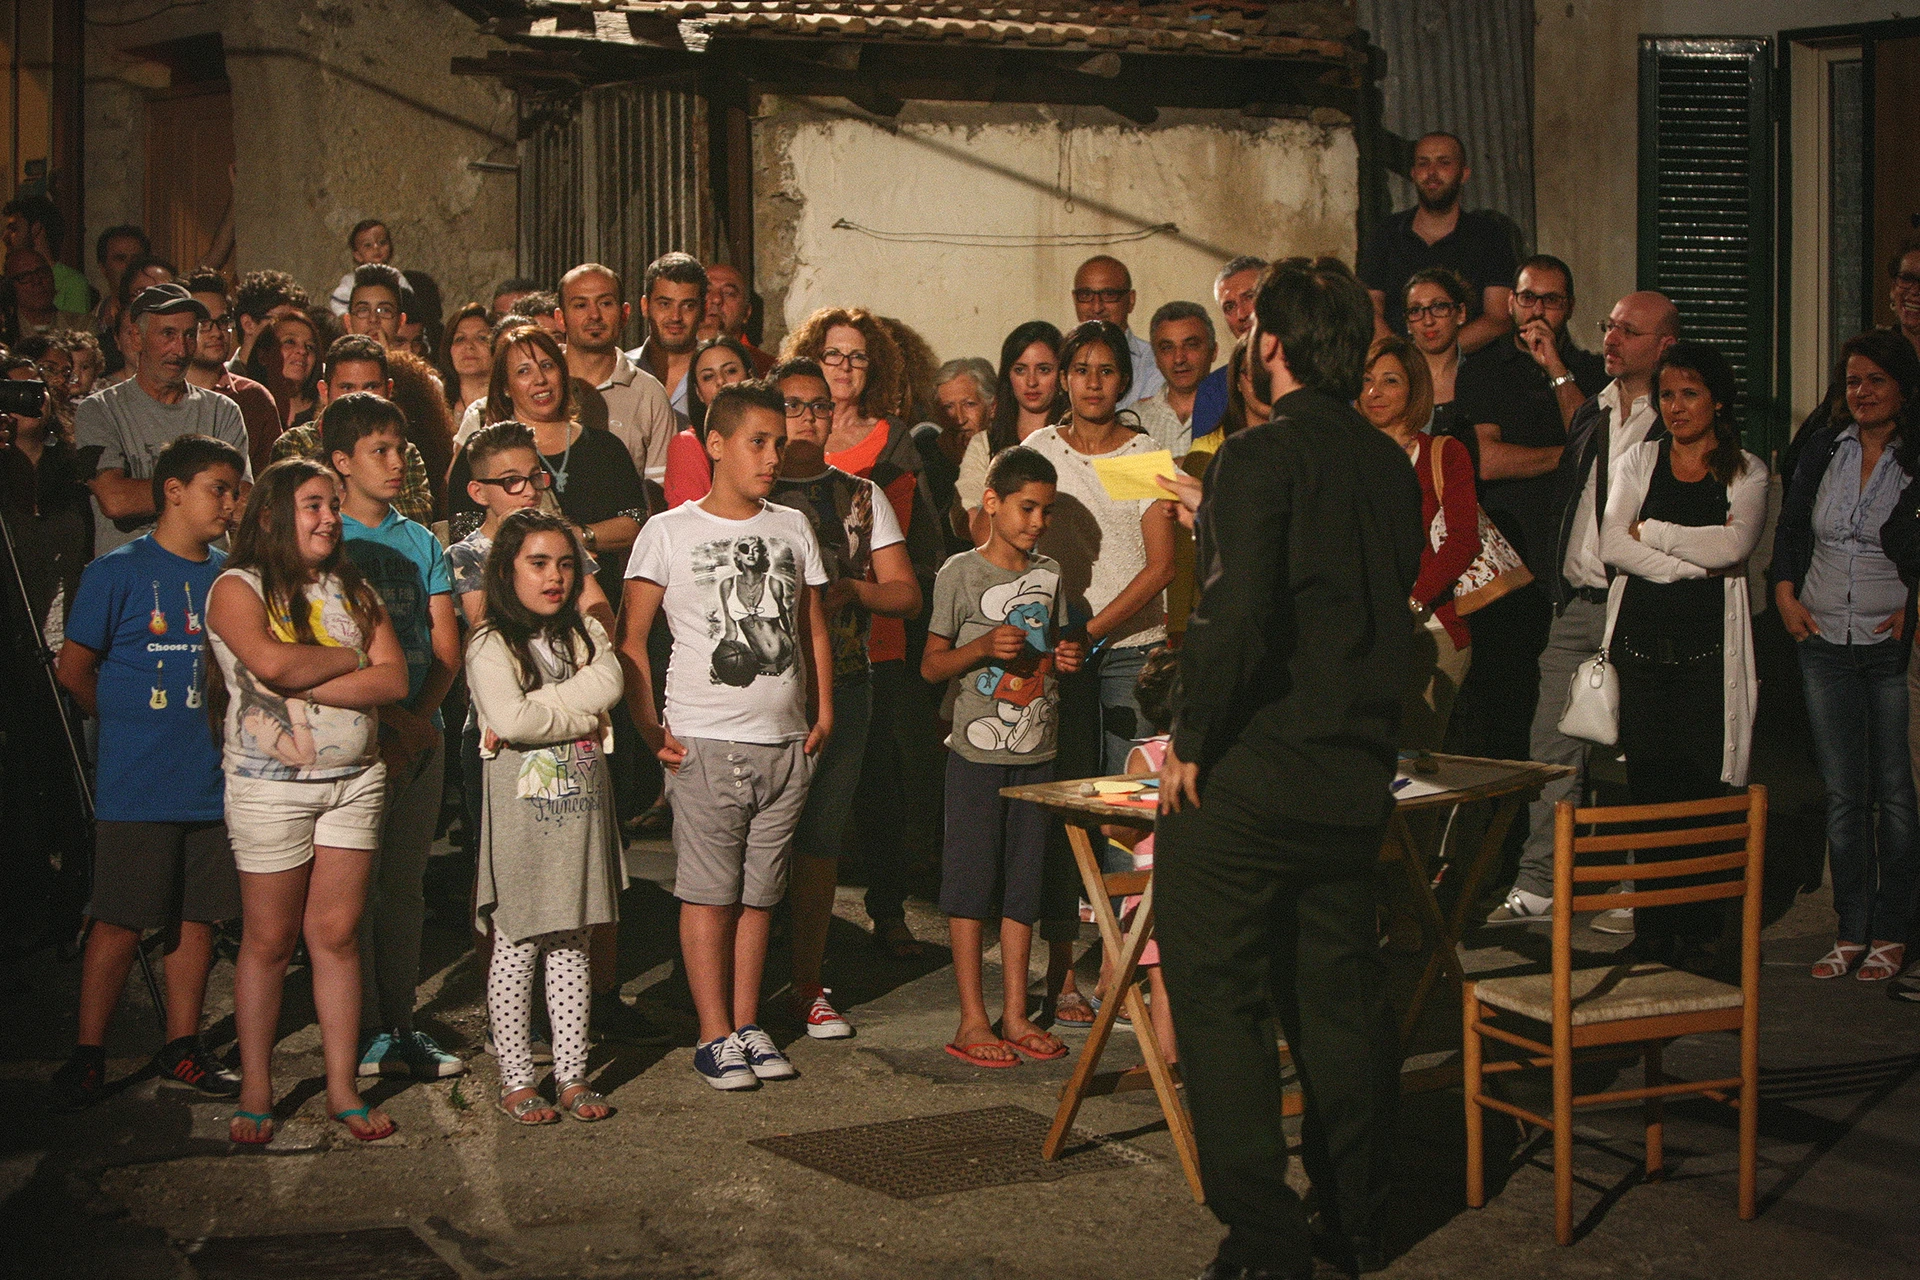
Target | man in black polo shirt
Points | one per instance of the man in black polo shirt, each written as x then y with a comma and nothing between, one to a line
1437,232
1275,793
1516,398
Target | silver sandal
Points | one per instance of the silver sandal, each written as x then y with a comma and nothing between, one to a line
519,1111
585,1098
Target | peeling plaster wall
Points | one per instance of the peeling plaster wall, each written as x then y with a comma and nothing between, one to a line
946,171
343,109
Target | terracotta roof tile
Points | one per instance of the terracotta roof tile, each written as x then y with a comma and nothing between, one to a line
1226,28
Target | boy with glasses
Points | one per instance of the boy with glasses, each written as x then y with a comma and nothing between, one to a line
378,303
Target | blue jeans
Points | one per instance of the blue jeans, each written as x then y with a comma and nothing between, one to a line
1857,704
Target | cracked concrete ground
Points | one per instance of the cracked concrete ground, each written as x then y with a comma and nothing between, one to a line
145,1185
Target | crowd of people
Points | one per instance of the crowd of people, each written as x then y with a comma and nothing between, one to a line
399,555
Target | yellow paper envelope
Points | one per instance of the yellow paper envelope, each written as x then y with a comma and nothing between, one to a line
1130,477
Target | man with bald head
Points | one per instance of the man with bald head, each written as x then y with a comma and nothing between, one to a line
729,308
1103,290
1440,232
1624,414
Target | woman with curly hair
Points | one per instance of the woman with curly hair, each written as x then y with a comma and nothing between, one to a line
422,397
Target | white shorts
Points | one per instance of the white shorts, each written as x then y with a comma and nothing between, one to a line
273,825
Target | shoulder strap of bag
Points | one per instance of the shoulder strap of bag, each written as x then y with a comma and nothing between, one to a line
1439,444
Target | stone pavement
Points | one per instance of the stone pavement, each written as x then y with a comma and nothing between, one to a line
145,1185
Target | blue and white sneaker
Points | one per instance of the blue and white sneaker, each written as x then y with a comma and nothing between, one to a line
765,1059
723,1064
382,1057
424,1059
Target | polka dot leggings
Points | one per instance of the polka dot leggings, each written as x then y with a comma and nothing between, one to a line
510,1004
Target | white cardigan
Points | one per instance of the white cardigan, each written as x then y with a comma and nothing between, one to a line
1666,552
573,708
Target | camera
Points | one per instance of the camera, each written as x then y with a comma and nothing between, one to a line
27,399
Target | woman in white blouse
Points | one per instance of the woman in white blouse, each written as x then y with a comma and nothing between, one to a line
1684,511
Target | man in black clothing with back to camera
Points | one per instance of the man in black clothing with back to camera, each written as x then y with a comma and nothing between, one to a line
1276,791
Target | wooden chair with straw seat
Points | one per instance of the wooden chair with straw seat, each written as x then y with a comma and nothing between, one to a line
1627,1010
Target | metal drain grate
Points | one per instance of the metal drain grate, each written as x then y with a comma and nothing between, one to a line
382,1253
938,1155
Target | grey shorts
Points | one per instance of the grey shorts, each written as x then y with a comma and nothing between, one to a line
147,875
735,807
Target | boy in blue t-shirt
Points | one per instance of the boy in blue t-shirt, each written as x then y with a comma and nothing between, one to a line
135,658
364,437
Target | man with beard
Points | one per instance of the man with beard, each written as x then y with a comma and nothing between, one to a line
1275,792
1437,232
120,432
213,344
674,292
637,408
1516,399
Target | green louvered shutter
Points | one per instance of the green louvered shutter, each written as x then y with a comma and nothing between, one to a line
1706,202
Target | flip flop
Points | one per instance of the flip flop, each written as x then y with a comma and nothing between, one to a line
262,1128
963,1052
365,1113
1078,1002
1022,1045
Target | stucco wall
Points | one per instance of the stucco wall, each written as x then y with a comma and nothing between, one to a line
1586,117
944,173
343,109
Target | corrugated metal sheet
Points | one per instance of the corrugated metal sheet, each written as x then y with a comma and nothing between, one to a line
621,181
1465,66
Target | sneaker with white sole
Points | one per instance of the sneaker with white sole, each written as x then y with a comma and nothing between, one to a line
381,1057
824,1022
1522,907
425,1060
542,1046
1618,920
763,1056
723,1064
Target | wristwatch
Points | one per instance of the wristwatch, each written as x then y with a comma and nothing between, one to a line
1560,381
591,539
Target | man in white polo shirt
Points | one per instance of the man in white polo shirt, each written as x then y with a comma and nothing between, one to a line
637,409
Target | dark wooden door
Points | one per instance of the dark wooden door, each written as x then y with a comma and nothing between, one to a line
189,159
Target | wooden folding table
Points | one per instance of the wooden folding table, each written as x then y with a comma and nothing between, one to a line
1458,780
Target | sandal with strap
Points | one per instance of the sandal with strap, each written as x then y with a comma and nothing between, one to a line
365,1113
262,1128
586,1097
1884,961
1838,961
520,1110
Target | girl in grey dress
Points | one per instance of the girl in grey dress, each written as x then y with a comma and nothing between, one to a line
543,677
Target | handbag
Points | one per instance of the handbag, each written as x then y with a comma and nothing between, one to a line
1593,695
1498,568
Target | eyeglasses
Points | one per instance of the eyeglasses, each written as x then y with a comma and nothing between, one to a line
1906,280
835,357
218,322
54,373
1551,301
541,481
1109,296
1438,310
1626,331
817,408
384,310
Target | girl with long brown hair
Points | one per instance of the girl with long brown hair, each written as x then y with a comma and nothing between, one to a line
303,655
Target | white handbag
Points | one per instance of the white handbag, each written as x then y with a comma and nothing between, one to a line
1593,695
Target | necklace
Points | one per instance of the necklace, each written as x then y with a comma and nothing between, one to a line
560,472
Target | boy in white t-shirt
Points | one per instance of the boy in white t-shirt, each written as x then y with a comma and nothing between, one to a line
746,716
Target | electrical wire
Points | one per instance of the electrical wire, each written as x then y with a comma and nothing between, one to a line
146,17
984,240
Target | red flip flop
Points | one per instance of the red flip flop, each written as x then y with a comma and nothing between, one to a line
963,1052
1021,1046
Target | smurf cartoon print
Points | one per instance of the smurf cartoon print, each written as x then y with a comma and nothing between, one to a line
1021,716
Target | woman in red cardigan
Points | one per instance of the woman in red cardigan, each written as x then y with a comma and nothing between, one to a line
1397,396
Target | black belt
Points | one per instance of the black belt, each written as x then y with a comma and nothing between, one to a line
1592,595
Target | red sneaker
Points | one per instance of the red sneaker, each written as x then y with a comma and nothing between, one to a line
823,1020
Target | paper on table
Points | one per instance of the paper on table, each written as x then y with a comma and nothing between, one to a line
1130,476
